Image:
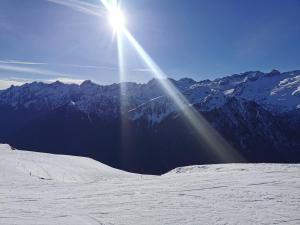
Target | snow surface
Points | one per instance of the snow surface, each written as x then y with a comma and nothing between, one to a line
38,188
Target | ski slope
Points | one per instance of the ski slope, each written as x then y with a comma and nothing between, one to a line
38,188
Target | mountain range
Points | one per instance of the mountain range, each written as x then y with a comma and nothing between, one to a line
140,128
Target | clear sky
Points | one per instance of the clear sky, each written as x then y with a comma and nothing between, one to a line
71,40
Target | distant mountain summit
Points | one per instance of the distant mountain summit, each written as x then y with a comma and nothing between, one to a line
258,113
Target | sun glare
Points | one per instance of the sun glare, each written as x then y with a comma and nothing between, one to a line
116,19
207,134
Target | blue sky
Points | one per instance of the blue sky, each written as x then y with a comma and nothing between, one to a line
71,40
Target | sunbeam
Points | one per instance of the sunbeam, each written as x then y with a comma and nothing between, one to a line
215,141
125,127
205,132
117,21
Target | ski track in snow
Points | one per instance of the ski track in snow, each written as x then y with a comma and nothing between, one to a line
38,188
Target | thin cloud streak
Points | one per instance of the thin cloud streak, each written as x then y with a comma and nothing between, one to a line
4,84
31,70
16,62
21,62
90,67
142,70
108,68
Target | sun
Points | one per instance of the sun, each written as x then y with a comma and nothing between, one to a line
116,19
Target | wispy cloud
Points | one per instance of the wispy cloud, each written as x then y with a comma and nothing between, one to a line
29,63
7,83
29,70
142,70
21,62
38,71
90,67
17,62
81,6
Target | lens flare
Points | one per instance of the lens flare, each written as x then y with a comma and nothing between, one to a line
116,19
205,132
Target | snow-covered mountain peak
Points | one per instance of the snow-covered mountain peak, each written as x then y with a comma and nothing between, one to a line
278,92
184,83
87,83
273,73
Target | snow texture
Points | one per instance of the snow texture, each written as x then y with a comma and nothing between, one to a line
38,188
